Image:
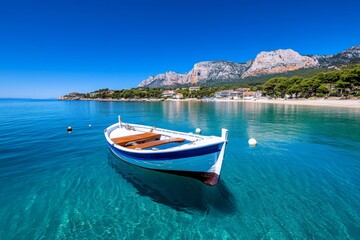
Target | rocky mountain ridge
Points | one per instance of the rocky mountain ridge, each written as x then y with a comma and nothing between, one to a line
279,61
265,63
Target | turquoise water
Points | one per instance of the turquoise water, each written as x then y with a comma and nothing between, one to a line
300,182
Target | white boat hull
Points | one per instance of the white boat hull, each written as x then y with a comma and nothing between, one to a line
201,158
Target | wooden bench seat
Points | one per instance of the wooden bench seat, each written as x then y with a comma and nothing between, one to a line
155,143
138,138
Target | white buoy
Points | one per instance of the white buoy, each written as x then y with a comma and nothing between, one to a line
252,142
198,130
89,125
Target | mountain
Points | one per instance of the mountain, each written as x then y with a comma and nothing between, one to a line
345,57
200,73
279,61
265,63
165,79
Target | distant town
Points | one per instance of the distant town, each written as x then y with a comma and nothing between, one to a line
193,92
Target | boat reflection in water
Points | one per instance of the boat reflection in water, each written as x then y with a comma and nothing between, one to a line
178,192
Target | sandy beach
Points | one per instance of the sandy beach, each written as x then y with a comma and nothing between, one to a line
310,102
347,103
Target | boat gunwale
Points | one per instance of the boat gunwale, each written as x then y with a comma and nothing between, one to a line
216,140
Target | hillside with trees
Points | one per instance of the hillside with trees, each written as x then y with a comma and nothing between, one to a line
335,83
338,83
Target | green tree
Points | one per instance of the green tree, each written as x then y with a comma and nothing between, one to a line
269,87
351,76
315,84
305,87
296,79
342,85
282,86
323,89
294,89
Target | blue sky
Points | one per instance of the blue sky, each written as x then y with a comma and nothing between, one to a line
50,48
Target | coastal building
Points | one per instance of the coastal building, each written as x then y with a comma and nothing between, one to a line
194,88
168,93
223,94
242,90
231,94
239,93
178,96
251,95
93,94
236,95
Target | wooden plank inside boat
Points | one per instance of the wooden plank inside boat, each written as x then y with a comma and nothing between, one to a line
155,143
138,138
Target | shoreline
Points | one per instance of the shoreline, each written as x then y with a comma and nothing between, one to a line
346,103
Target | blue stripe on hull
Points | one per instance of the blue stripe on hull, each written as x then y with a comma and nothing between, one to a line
199,163
170,155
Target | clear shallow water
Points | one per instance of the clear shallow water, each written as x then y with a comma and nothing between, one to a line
300,182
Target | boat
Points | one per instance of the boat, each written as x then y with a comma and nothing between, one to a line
185,154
